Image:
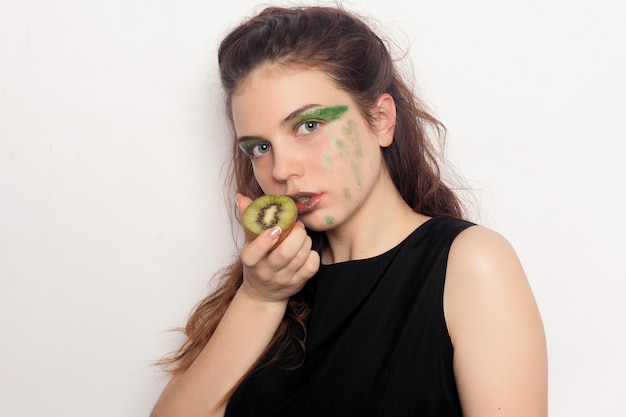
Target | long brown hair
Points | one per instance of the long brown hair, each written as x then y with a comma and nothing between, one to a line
343,46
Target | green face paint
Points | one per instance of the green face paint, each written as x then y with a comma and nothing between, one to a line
337,143
353,153
351,131
247,147
323,114
347,194
327,162
356,169
330,220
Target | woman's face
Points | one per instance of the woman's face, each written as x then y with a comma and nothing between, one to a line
306,139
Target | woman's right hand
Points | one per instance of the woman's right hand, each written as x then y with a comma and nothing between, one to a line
274,275
270,277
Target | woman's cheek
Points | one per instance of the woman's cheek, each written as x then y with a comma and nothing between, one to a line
263,175
355,152
342,151
326,162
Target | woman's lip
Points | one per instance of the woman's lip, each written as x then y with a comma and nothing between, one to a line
306,202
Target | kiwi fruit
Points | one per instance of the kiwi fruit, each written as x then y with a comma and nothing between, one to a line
269,211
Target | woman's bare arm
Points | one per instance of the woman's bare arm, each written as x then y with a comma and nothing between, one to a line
241,337
500,358
243,334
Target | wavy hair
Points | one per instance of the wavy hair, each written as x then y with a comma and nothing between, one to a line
342,45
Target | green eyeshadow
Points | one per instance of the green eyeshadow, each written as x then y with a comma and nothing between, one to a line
323,113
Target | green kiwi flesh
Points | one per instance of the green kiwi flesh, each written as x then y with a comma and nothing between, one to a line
269,211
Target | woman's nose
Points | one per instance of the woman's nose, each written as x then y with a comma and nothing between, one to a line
287,164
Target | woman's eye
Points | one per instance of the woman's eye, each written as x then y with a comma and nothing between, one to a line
255,150
261,148
307,127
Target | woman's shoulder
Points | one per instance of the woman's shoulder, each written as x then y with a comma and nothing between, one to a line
482,253
479,242
484,276
481,256
494,325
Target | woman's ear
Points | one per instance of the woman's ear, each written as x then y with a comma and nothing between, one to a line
385,119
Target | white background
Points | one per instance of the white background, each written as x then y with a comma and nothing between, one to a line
112,218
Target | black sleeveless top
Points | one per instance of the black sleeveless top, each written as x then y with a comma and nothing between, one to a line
377,342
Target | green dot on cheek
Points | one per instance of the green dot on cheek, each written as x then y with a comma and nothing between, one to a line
330,220
327,162
337,143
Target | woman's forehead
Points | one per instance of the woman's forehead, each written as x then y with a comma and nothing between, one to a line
277,75
274,93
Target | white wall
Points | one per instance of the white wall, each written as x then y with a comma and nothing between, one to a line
111,209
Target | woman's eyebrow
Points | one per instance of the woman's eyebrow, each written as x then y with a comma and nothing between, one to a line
298,113
323,113
243,139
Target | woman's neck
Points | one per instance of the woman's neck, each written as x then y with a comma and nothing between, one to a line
380,224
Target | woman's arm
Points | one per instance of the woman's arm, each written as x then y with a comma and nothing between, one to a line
500,359
243,334
241,337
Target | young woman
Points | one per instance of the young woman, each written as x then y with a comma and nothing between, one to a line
382,301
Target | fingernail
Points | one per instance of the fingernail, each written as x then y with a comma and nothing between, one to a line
237,199
275,232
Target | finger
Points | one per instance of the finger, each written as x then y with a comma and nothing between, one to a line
307,270
283,254
301,256
256,250
311,265
242,202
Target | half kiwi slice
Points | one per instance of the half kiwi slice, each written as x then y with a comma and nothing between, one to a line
269,211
